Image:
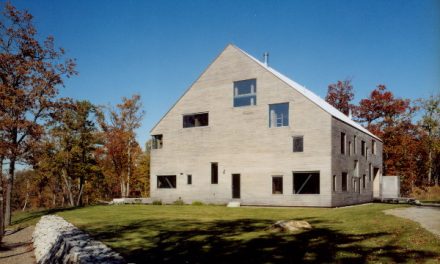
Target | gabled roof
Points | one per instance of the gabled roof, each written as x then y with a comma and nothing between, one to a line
312,97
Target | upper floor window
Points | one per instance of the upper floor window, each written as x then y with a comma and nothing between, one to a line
156,142
298,144
355,145
363,150
195,120
245,92
373,147
343,140
279,115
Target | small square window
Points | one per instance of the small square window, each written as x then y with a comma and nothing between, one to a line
298,144
245,92
157,142
277,185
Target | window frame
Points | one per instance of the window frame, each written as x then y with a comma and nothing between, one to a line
185,122
252,94
284,123
214,172
302,143
277,177
166,176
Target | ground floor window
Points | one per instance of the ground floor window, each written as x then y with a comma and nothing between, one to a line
166,182
277,185
344,182
306,182
189,179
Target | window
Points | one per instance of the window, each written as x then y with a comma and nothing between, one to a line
356,169
373,147
166,182
195,120
349,148
279,115
334,183
245,93
189,179
370,171
353,180
277,185
344,182
363,148
366,153
363,181
355,145
156,142
306,182
298,144
214,173
342,143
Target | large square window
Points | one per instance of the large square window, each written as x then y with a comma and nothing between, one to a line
195,120
306,182
279,115
166,182
245,92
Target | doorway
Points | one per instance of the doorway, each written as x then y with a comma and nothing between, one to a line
236,186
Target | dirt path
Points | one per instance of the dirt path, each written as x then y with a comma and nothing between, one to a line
428,217
16,247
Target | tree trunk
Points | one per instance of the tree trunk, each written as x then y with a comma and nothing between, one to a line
68,187
9,187
2,226
127,189
429,157
81,187
27,195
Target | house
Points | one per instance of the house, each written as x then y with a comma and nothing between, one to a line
245,132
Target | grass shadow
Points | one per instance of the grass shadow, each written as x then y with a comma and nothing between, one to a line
246,241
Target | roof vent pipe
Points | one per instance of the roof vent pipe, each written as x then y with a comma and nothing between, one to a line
266,58
350,114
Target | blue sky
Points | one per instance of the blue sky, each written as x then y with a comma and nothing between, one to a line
159,48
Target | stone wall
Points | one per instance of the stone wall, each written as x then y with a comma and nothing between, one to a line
58,241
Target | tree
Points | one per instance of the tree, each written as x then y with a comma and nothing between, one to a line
390,119
430,123
30,74
120,143
340,95
73,141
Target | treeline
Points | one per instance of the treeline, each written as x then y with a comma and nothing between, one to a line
409,129
57,151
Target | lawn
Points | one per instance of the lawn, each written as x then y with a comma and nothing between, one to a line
216,234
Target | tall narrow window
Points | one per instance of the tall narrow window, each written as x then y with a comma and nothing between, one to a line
373,147
277,185
370,172
363,181
343,139
214,173
189,179
156,142
166,182
366,153
298,144
279,115
363,148
245,93
349,148
195,120
334,183
306,182
344,182
356,169
355,145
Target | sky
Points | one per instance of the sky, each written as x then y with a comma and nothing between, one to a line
159,48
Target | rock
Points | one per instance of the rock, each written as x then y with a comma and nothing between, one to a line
58,241
290,226
233,204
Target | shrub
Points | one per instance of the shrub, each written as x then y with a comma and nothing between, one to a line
157,202
197,203
178,202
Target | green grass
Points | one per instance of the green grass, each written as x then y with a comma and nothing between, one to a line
216,234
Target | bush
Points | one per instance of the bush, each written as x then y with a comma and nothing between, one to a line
431,193
157,202
178,202
197,203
